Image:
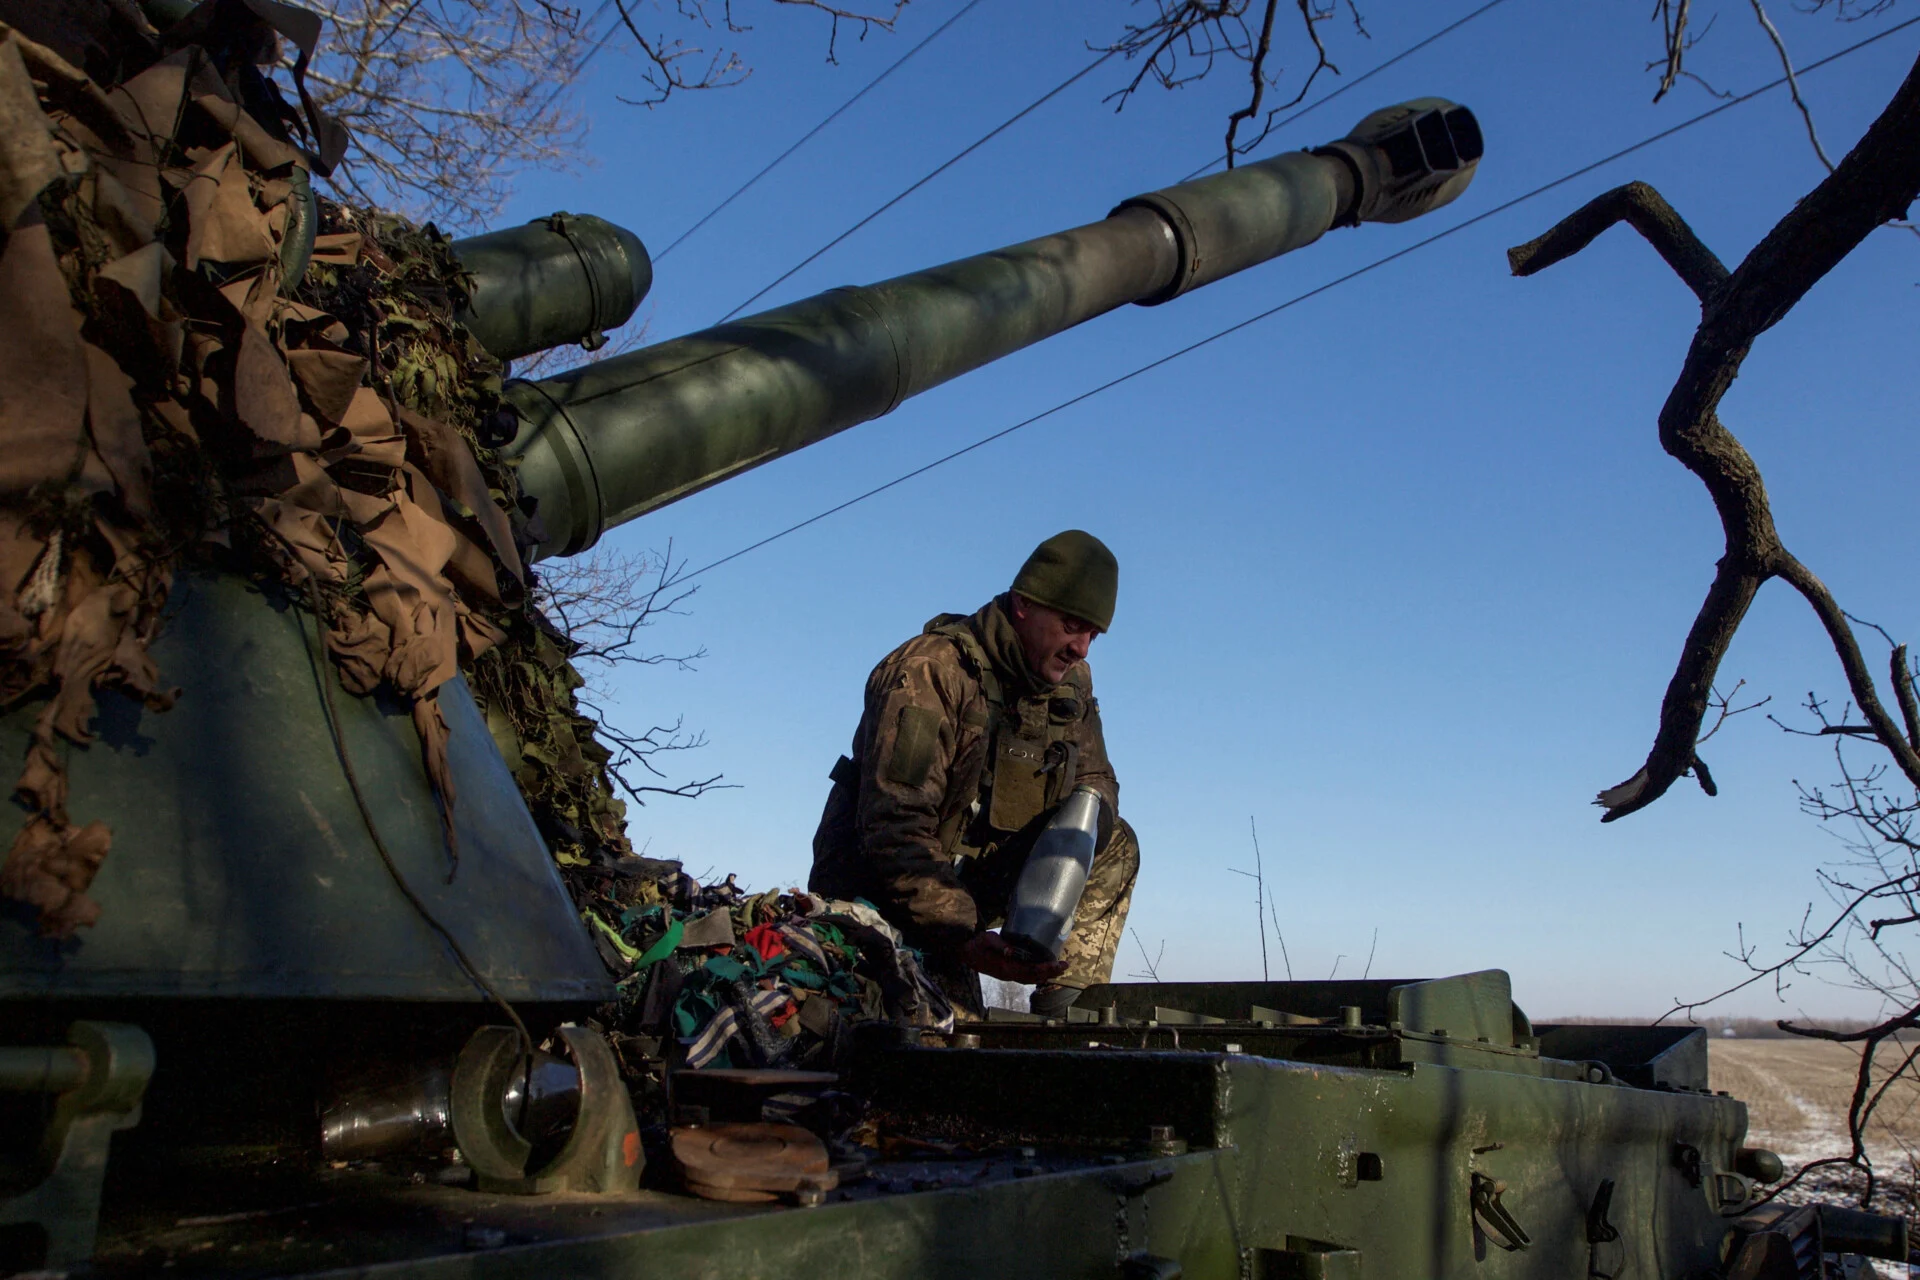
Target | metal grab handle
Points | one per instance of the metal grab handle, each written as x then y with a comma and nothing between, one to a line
37,1069
1492,1218
101,1077
1606,1256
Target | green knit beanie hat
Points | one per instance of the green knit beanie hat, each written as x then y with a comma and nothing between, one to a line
1074,573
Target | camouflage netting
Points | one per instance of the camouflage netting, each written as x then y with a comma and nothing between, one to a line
168,397
178,385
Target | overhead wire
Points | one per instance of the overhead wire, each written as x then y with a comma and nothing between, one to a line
998,129
944,165
809,135
1315,292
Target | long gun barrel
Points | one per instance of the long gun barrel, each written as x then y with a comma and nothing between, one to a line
611,441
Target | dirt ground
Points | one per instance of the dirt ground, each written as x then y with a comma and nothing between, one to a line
1797,1093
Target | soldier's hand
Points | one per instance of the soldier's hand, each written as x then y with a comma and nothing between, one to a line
993,955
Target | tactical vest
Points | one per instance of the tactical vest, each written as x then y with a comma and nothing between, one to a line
1030,764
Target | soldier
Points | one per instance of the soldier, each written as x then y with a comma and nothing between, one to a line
973,733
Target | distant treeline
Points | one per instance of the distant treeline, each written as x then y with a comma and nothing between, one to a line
1742,1028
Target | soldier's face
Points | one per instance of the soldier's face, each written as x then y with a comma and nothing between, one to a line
1054,641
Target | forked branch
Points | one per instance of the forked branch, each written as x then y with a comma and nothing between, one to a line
1873,185
1646,211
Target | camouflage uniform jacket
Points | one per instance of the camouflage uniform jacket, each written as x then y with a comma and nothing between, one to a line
959,748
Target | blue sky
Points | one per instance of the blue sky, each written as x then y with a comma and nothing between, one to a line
1404,570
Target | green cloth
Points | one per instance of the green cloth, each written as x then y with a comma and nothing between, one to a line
994,627
1074,573
664,947
620,944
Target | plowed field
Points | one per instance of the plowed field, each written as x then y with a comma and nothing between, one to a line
1797,1093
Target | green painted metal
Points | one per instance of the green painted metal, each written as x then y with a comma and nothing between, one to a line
1291,1168
1474,1006
609,442
98,1099
567,277
613,440
1650,1057
303,222
41,1069
1246,216
240,864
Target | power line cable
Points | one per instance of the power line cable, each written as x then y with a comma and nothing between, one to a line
1400,56
1356,82
1315,292
945,165
808,136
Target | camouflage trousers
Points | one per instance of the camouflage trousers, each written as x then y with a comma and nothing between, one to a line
1099,923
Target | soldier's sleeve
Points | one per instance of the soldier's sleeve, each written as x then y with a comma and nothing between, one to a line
914,703
1095,769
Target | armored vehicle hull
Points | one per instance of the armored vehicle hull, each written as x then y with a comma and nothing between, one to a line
1266,1129
274,1013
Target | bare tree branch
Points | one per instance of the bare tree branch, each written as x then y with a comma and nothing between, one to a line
1875,926
604,600
1286,961
1805,945
1857,939
1677,42
603,603
1646,211
1185,39
1902,673
1152,963
1673,16
449,100
1793,81
640,749
1873,185
665,55
1257,71
670,57
1722,705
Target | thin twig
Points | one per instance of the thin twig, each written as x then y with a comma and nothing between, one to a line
1259,899
1152,962
1282,939
1793,81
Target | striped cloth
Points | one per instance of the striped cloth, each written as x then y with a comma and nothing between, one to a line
714,1038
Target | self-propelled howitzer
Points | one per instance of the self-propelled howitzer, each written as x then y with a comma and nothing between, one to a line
252,943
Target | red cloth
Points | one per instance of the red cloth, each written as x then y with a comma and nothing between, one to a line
766,939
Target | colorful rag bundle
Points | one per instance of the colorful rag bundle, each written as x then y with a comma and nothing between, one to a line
773,979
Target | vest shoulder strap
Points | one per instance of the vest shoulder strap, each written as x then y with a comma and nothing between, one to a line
970,648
